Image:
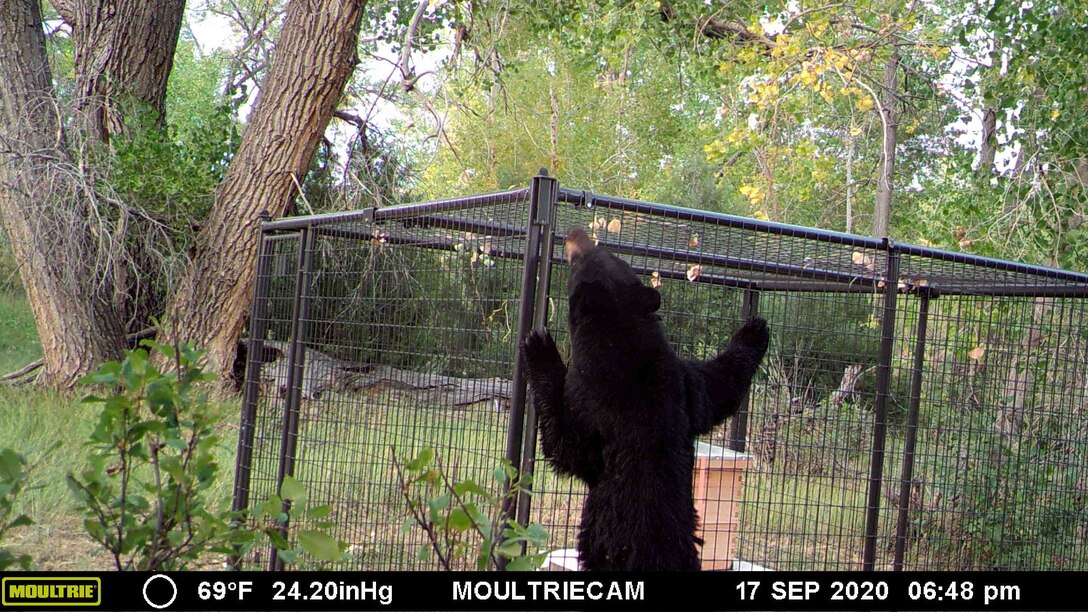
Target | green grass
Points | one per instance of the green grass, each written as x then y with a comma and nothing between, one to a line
32,421
35,420
18,337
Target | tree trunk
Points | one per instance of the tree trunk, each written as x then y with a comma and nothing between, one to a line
311,65
889,119
988,152
1019,380
43,208
124,50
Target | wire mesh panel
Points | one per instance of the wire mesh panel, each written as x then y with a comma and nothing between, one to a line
260,439
916,409
803,500
407,336
1001,452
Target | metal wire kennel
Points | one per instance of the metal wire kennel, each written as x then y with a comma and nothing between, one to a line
918,409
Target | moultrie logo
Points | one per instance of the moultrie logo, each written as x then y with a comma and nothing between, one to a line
51,591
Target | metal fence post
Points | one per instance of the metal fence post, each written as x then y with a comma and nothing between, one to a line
546,190
258,324
526,307
880,416
738,425
296,371
907,471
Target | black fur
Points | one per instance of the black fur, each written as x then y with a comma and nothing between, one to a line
623,416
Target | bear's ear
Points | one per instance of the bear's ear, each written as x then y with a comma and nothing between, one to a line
647,299
577,244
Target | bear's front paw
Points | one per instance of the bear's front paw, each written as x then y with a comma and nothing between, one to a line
539,348
753,334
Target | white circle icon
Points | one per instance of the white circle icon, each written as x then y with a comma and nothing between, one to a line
173,587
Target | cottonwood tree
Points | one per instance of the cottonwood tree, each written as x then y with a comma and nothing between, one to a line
310,66
57,246
65,238
124,50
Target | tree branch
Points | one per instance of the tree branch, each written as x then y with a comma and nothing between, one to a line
406,49
718,28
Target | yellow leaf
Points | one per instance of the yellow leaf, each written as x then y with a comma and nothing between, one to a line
614,226
977,352
1054,114
855,131
655,279
693,241
864,104
694,272
754,193
759,214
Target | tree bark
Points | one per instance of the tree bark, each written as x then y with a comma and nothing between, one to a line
890,118
312,62
124,51
1020,380
988,151
44,209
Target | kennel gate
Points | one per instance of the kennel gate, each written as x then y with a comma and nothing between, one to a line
918,409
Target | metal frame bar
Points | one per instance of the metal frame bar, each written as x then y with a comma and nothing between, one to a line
907,470
395,212
583,197
880,413
519,392
295,373
738,425
546,189
251,391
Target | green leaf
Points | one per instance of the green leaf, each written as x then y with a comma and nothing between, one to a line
292,489
511,548
271,506
20,521
522,564
422,461
458,520
319,512
537,534
424,552
484,556
465,487
166,350
320,545
277,539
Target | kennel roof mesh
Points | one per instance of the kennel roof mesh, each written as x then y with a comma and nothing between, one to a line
729,250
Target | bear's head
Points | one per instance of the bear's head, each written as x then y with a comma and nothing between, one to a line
602,286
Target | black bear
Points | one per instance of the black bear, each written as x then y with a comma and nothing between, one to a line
623,415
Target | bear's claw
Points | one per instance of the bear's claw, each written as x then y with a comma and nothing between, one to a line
753,334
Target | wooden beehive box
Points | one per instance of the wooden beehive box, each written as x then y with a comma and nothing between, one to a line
718,490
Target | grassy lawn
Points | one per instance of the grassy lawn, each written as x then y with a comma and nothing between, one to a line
33,420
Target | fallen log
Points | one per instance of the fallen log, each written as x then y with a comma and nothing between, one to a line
323,372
